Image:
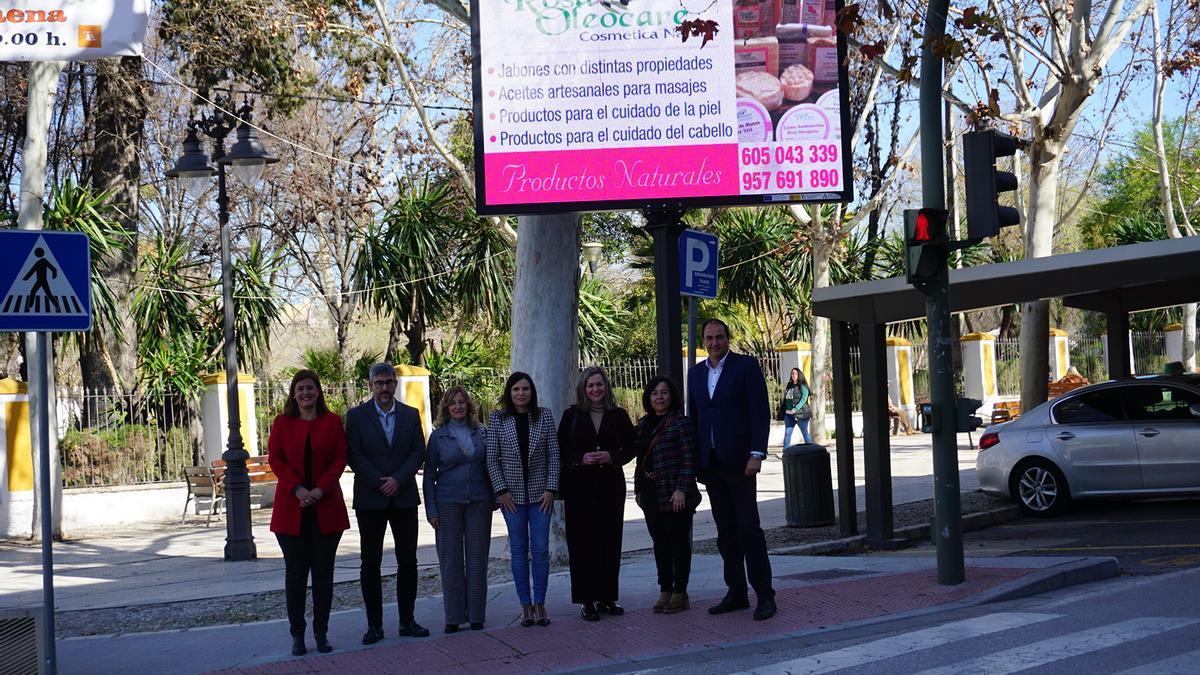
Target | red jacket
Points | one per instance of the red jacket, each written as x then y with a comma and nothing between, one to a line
285,452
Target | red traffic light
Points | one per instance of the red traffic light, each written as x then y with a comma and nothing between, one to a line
925,226
921,232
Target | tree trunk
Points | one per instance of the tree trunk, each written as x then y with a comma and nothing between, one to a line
119,118
1164,174
43,83
1045,162
821,253
393,345
416,342
545,313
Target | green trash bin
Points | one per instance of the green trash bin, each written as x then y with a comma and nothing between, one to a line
807,486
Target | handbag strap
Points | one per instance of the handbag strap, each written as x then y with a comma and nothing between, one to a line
661,428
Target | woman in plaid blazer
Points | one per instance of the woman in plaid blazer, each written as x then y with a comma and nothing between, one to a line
523,463
665,485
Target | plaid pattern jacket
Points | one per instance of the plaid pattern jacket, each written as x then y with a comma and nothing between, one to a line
504,457
672,459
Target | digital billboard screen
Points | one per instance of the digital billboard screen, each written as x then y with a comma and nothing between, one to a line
597,105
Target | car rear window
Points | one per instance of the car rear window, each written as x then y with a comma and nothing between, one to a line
1095,406
1153,403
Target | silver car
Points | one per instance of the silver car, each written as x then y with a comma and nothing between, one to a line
1137,437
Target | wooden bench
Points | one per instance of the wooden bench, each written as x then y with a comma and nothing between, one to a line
1004,411
1056,389
203,483
262,478
257,468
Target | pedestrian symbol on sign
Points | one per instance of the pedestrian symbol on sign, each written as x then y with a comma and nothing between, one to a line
39,288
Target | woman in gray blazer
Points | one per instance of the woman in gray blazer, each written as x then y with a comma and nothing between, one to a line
459,503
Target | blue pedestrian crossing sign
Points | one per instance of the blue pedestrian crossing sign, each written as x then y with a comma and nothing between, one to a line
44,282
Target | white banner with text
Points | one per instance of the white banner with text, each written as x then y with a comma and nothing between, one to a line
71,30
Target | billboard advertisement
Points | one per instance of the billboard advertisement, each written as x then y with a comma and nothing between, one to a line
603,104
71,30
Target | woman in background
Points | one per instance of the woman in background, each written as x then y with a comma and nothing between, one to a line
796,407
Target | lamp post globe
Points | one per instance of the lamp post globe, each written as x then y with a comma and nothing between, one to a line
192,169
248,157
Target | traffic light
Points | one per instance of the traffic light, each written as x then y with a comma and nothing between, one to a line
967,419
985,216
925,245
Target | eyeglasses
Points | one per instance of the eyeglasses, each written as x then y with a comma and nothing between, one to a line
383,383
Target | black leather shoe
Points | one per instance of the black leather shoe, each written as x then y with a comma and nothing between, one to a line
589,612
765,610
323,645
610,608
478,625
730,603
451,628
374,634
298,648
413,629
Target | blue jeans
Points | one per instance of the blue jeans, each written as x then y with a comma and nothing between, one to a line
789,421
529,538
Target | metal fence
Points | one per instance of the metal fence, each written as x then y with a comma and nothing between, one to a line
109,438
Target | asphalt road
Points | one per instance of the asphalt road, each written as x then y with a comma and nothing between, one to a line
1144,625
1146,537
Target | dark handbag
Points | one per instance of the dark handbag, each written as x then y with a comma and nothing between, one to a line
805,412
780,413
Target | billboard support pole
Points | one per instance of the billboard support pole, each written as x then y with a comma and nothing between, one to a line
665,225
947,514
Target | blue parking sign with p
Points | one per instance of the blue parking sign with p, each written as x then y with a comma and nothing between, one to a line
45,282
698,264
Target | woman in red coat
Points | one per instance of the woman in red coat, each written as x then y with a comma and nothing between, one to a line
307,452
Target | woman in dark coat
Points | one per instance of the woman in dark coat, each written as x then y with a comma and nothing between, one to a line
665,484
596,438
307,452
458,504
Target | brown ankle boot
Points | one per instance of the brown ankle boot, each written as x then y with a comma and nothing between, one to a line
663,599
677,603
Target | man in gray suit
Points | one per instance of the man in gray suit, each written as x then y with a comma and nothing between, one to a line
385,447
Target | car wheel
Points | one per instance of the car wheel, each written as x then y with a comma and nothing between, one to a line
1040,488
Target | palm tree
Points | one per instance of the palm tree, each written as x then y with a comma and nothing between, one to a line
404,263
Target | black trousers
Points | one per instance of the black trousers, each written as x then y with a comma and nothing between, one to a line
309,552
671,532
372,526
595,518
740,539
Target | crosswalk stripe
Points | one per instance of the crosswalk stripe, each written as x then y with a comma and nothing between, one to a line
905,643
1184,664
1065,646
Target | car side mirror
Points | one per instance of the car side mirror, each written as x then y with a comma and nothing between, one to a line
1195,409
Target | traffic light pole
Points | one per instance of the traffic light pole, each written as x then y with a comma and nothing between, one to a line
947,531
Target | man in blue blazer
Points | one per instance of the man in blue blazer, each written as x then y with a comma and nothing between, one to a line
727,400
385,445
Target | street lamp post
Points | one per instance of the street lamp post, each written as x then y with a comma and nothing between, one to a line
247,158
